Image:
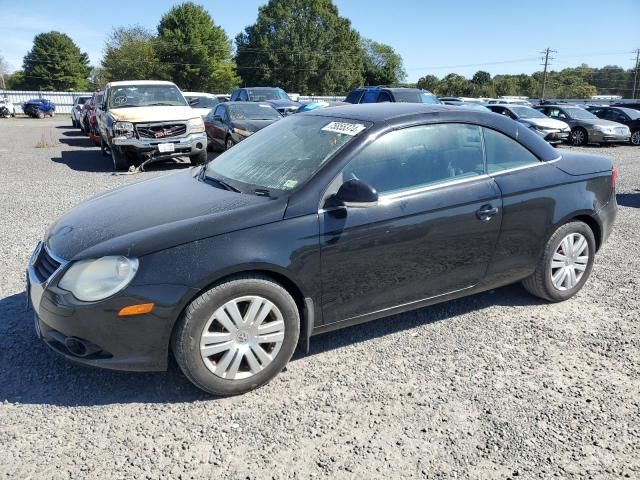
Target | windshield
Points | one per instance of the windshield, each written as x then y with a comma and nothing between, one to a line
258,95
83,100
527,112
126,96
633,114
579,113
284,155
253,111
202,102
414,96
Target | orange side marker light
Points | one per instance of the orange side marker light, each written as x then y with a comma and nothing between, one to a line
139,309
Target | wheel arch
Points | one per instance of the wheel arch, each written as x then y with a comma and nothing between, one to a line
587,217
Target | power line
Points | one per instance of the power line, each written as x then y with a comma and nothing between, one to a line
635,75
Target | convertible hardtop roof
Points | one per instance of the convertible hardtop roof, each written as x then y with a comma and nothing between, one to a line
397,115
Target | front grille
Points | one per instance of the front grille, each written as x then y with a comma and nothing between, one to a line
161,130
45,265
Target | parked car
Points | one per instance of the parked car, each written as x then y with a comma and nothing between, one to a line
634,105
472,106
39,108
553,131
625,116
509,101
305,107
87,107
7,109
145,120
276,97
231,122
201,102
585,126
76,109
320,221
385,94
92,118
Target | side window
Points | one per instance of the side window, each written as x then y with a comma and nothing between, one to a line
219,111
234,95
384,97
615,116
243,97
353,96
370,96
504,152
419,156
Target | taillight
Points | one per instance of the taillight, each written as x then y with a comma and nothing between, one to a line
614,177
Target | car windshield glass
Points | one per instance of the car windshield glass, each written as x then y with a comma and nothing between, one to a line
253,111
579,113
414,96
284,155
82,100
145,95
259,95
202,102
633,114
527,112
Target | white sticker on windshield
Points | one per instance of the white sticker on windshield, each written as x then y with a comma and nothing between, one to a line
343,127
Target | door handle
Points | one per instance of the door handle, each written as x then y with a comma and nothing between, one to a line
486,212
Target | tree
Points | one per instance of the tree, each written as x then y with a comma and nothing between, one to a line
428,82
382,65
481,78
55,63
505,85
131,54
301,46
196,51
454,85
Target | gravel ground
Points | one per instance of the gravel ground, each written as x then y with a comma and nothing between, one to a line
498,385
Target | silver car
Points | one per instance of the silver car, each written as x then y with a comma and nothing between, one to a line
585,126
553,131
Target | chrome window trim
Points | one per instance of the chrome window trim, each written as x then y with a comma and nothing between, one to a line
524,167
391,197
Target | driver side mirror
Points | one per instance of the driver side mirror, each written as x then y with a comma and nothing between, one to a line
355,193
217,118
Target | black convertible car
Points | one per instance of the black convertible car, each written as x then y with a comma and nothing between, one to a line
322,220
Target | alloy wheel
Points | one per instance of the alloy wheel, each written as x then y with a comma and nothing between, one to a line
577,137
635,137
569,261
242,337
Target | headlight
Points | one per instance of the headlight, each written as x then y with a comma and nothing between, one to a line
91,280
196,125
603,129
244,133
121,129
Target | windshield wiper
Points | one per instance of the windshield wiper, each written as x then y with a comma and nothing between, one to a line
262,192
219,181
159,104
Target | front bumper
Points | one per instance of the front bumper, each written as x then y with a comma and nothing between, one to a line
597,136
137,343
554,136
191,144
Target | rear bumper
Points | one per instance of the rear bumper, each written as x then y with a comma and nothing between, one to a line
191,144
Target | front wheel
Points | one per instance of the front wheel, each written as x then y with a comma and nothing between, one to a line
40,114
228,143
120,160
237,336
199,159
565,264
579,137
635,138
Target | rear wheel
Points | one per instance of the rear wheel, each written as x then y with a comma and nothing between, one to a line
565,265
40,114
119,158
635,138
228,143
579,137
237,336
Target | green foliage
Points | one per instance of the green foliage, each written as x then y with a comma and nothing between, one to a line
197,53
301,46
55,63
481,78
130,54
15,80
428,82
382,65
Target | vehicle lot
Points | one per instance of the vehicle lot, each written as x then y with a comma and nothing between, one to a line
493,386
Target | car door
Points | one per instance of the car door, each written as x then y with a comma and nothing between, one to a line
218,128
432,232
616,116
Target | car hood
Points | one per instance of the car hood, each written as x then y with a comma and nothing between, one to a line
253,125
546,122
152,215
152,114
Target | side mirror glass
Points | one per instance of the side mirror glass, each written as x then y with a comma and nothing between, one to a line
356,194
217,118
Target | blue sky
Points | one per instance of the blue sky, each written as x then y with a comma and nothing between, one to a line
435,37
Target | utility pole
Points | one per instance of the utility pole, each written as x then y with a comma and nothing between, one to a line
547,59
635,75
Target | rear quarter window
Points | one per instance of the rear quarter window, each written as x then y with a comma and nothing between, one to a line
504,153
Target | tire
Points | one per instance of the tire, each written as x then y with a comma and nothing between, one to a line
579,137
104,148
228,143
635,138
73,123
52,114
40,114
120,161
237,356
199,159
541,283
